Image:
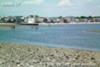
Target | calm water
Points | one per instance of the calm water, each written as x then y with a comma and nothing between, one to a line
67,36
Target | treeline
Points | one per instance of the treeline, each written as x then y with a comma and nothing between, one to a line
88,17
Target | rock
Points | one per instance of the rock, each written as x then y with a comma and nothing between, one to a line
77,57
0,46
67,57
42,57
92,58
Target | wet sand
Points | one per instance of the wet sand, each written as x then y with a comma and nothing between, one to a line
12,55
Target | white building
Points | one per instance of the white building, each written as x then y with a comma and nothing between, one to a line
40,19
30,20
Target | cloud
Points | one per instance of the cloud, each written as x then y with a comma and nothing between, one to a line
63,3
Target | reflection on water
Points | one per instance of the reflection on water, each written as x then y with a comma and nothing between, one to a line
35,27
95,31
67,36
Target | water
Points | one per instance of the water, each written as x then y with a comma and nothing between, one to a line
81,36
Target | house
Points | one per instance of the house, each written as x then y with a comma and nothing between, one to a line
97,19
39,20
70,18
29,20
0,19
19,19
8,19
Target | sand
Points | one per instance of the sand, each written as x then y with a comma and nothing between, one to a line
38,56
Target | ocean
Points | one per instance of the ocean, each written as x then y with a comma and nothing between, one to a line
78,36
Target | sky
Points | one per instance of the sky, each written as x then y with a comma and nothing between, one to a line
50,8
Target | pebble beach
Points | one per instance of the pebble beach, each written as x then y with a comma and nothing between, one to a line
12,55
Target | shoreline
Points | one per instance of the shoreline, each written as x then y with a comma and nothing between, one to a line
13,55
1,24
69,23
13,24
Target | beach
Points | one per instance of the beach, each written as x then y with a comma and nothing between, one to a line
13,55
50,33
59,52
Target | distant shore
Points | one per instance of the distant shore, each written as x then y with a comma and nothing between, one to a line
12,55
13,24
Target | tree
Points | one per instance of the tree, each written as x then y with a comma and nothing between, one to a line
19,20
31,16
65,21
11,20
45,20
90,17
36,16
3,19
83,17
52,21
60,17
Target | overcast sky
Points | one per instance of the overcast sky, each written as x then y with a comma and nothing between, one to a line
50,7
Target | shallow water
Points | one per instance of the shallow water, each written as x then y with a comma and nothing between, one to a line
82,36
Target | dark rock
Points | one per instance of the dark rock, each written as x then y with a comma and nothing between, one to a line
0,47
67,57
17,62
77,57
92,58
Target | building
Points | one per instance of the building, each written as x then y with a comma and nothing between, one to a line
97,19
29,20
8,19
0,19
39,20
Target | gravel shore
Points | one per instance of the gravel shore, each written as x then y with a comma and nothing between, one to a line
38,56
